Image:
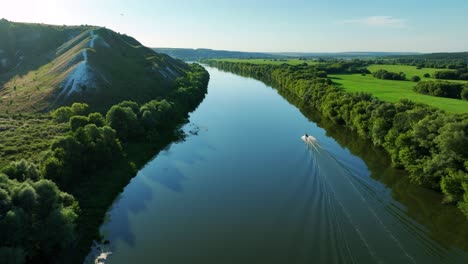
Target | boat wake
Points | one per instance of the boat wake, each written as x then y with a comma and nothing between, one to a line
356,214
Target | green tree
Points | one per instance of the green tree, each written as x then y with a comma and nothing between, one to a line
80,109
62,114
124,121
78,121
22,170
97,119
464,93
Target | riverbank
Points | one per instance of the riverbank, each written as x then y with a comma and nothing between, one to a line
107,183
97,194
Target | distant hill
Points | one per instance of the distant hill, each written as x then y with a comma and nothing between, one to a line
45,66
357,54
450,60
438,56
199,54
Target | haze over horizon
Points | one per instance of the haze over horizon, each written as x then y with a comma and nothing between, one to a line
266,26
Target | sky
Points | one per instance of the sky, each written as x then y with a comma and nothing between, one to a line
265,26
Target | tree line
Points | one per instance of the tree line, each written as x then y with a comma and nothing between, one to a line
443,89
455,60
458,74
428,142
37,217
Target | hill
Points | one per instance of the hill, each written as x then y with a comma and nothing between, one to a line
46,66
437,56
199,54
344,55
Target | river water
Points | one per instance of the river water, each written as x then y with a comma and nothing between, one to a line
244,188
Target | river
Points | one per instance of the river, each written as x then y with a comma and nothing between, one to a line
244,188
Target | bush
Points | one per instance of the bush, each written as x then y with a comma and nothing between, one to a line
427,75
64,113
464,93
415,78
386,75
321,74
22,170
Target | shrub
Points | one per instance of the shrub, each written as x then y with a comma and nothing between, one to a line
386,75
415,78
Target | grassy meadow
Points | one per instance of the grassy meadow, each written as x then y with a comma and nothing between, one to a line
393,91
408,70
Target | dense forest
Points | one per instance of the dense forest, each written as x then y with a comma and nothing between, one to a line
43,196
429,143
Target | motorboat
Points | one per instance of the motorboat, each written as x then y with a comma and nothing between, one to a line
308,139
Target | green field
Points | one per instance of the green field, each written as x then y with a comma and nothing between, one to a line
271,61
393,91
408,70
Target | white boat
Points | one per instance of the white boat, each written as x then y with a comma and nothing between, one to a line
309,139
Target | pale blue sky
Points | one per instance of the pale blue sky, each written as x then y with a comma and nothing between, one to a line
260,25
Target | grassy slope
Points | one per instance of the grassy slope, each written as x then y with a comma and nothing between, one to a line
271,61
132,69
25,137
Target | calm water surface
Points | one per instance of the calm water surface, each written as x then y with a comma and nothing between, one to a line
244,188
